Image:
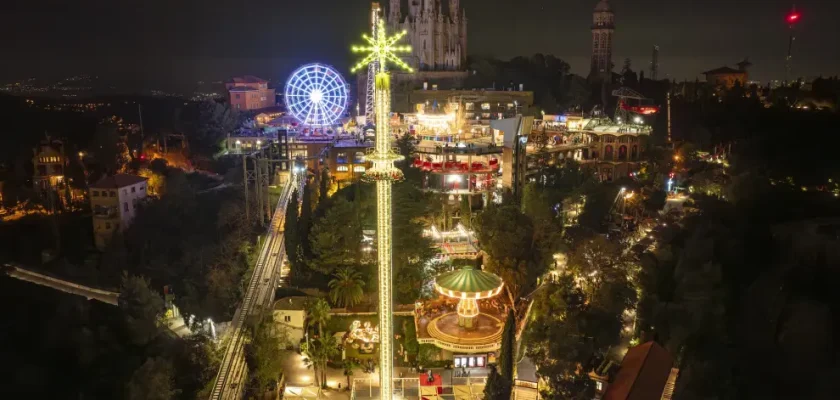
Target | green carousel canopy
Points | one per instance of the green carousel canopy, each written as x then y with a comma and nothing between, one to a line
468,283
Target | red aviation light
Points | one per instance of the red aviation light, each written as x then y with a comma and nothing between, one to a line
793,17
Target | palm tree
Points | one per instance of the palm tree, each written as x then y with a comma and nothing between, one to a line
319,313
346,287
319,352
348,369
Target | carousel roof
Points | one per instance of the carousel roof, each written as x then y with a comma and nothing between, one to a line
469,282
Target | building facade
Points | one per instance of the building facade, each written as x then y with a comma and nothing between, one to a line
290,316
49,161
438,37
114,201
725,77
603,27
250,93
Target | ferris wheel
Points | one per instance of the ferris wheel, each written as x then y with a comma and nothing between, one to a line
316,95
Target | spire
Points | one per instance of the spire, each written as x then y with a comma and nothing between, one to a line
394,12
454,9
603,6
429,7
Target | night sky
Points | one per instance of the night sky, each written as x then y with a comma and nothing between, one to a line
154,43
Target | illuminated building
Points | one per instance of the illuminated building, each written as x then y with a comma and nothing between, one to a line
114,202
49,162
603,28
249,93
438,39
383,172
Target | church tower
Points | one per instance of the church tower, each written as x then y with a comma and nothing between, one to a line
438,38
603,27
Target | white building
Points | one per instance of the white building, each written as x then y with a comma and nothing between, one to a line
114,201
290,315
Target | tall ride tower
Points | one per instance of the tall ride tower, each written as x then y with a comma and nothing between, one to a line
603,27
372,68
381,49
791,19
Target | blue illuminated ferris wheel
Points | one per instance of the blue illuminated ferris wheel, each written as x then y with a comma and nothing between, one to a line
316,95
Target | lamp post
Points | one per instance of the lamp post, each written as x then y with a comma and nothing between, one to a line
382,48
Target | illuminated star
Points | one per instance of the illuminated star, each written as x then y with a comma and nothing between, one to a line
381,49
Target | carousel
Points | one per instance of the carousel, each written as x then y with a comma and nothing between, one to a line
473,324
468,285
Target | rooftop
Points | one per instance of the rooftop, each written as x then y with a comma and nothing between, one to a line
247,79
292,303
643,373
723,70
118,181
603,5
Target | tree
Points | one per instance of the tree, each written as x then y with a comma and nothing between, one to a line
196,362
215,121
264,355
497,387
324,186
108,149
336,238
306,219
142,308
152,381
292,237
405,144
319,352
507,354
465,211
346,288
318,312
348,366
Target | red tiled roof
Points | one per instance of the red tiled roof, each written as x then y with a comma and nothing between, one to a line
117,181
643,374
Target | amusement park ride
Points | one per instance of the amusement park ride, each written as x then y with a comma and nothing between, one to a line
631,105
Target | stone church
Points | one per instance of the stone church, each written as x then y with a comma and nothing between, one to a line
437,33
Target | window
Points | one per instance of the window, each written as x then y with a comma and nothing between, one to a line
237,95
107,225
485,115
133,189
485,106
134,203
342,168
125,206
95,193
470,106
287,318
609,139
341,158
359,168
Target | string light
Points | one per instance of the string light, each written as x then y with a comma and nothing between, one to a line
382,49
